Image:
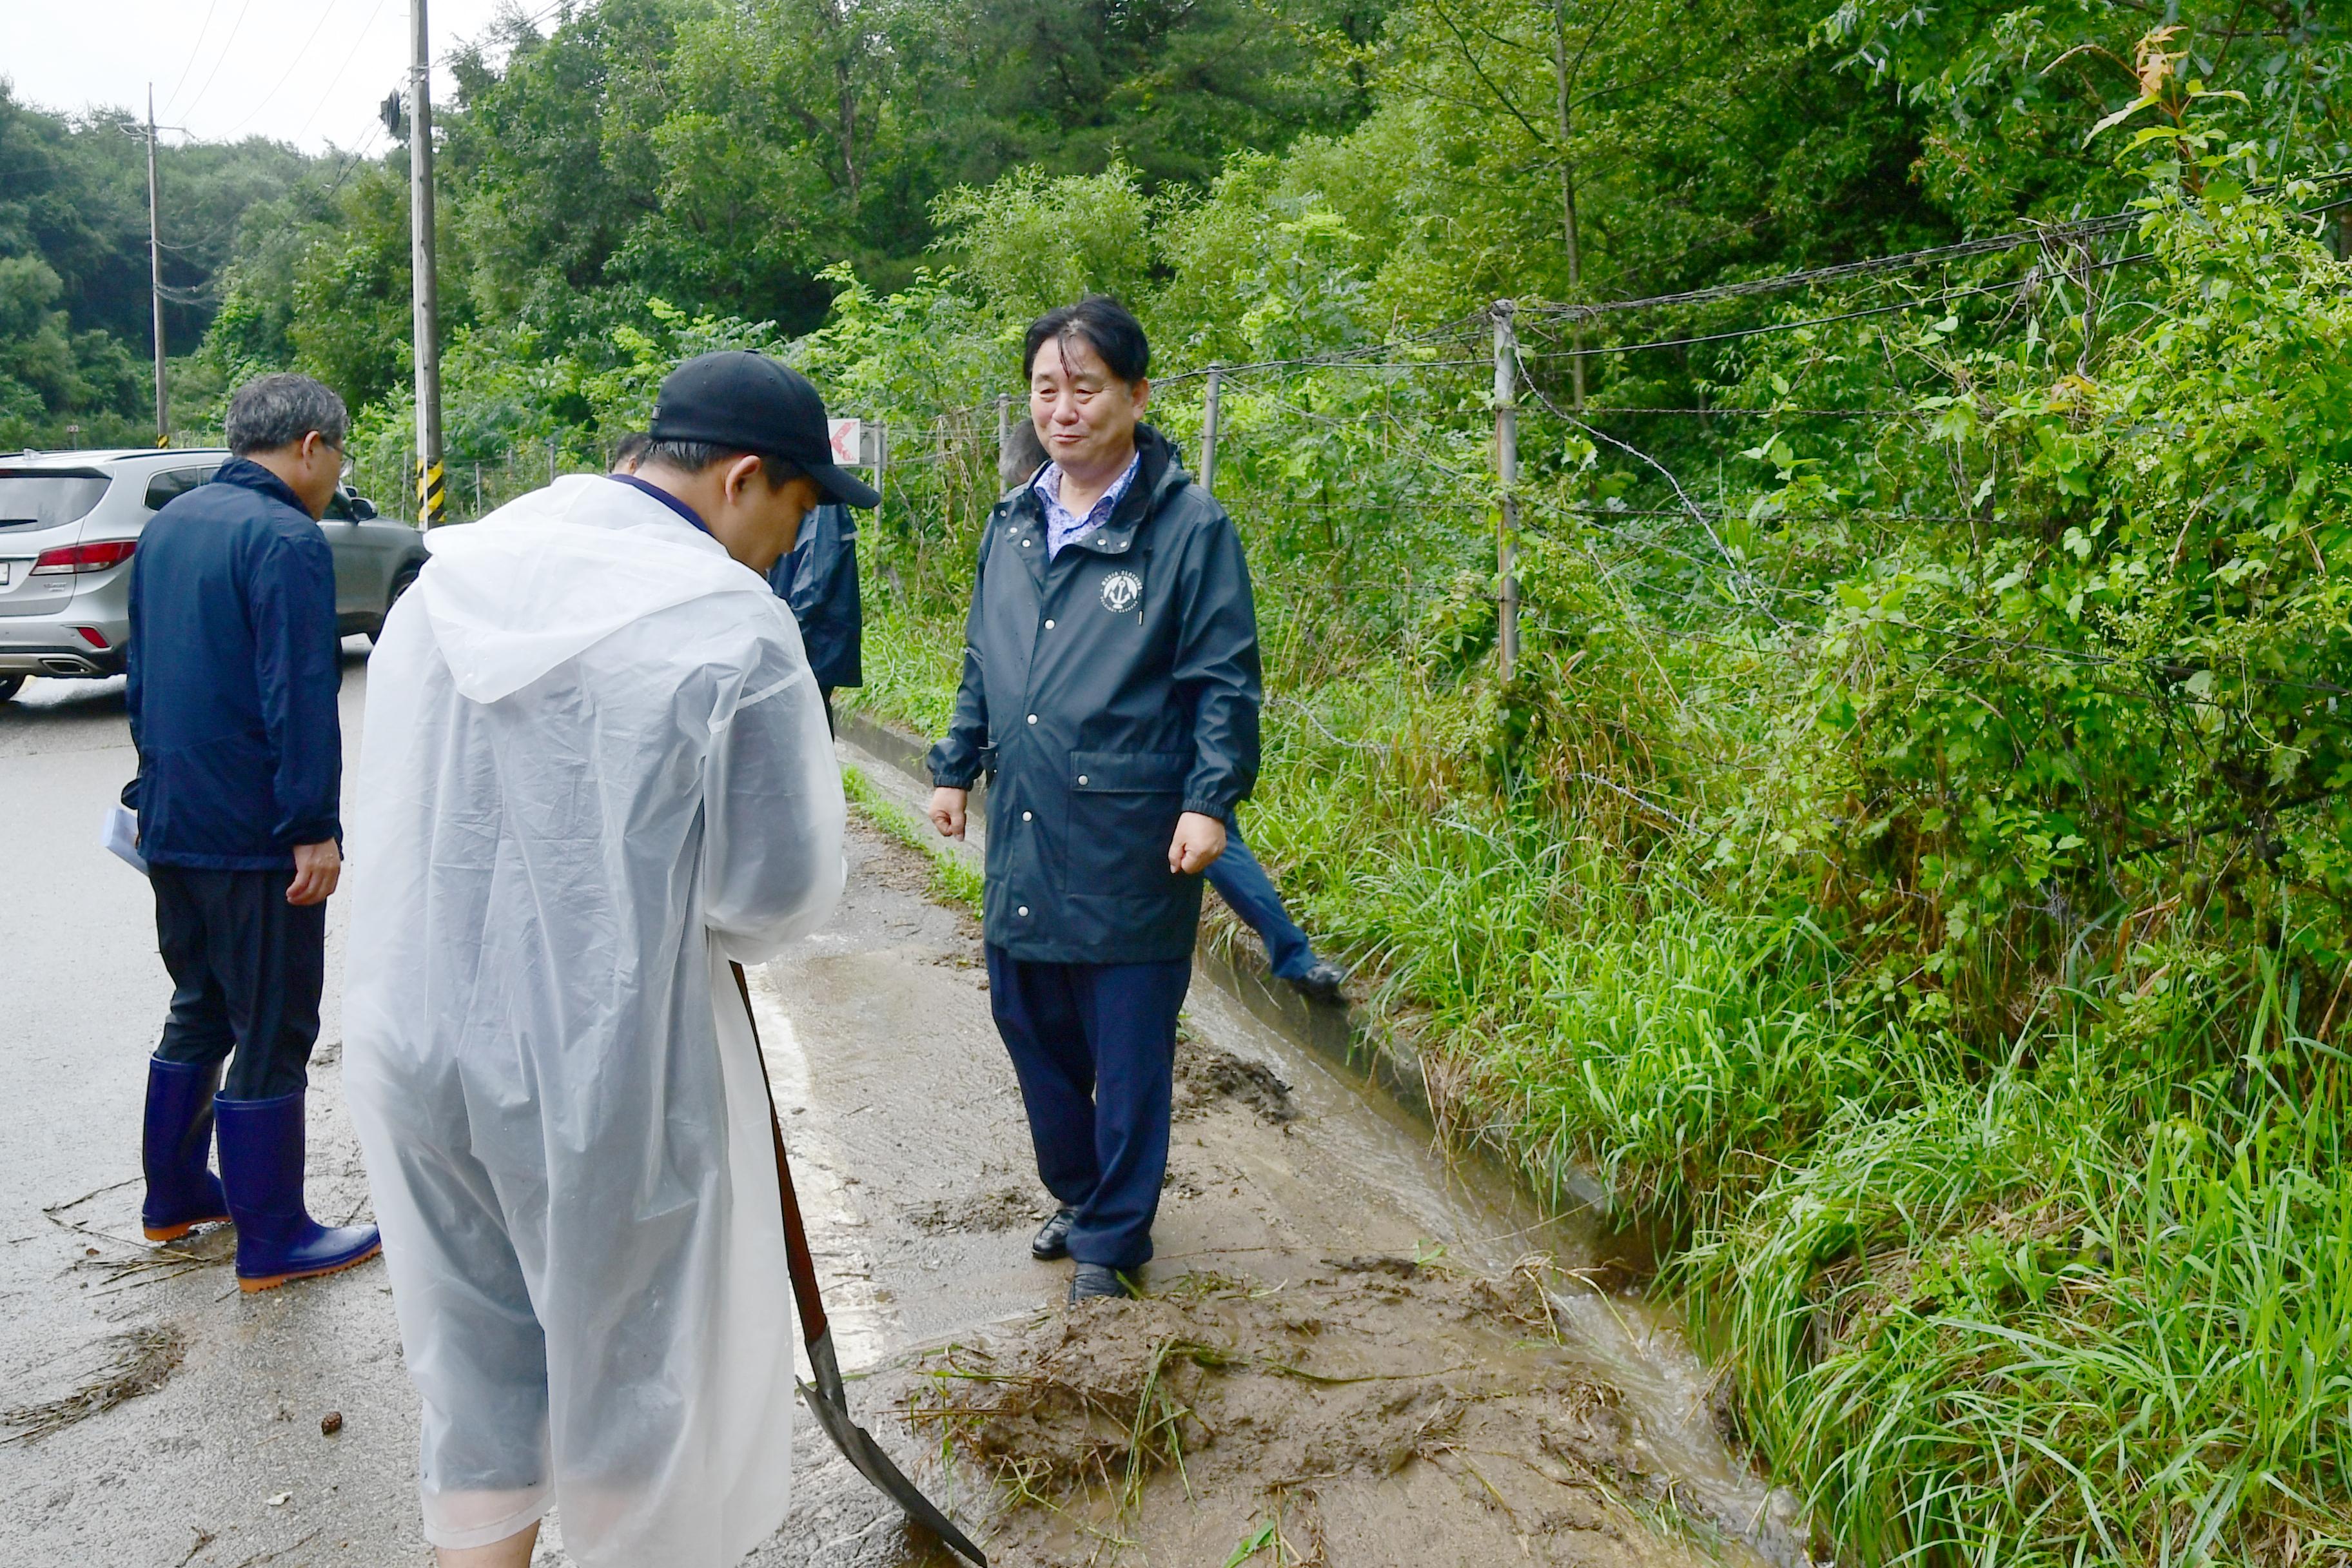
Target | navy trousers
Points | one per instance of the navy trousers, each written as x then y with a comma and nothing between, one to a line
1243,883
1094,1046
247,968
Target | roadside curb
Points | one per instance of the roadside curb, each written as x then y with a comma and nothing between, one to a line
1346,1037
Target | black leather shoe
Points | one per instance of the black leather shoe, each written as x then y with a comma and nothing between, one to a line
1322,982
1088,1280
1052,1239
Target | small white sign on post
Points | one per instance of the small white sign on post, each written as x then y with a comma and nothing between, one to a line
849,442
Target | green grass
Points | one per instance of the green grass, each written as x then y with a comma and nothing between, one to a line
953,880
909,663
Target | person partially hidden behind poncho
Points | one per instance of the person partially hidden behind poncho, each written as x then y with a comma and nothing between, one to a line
595,770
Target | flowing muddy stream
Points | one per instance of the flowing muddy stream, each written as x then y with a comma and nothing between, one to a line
1354,1351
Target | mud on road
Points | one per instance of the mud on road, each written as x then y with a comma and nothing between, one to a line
1370,1410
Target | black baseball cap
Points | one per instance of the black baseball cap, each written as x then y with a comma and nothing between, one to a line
754,404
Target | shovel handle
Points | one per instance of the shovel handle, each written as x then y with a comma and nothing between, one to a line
798,1260
826,1400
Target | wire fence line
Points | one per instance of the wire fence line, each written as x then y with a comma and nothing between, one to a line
489,480
2041,235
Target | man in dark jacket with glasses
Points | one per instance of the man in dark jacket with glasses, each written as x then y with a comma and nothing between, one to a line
1111,680
235,666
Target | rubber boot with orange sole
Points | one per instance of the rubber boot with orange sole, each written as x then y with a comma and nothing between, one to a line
261,1170
174,1148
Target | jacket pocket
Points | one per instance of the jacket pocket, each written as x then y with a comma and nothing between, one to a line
1123,812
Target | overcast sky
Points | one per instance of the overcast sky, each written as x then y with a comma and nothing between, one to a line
310,72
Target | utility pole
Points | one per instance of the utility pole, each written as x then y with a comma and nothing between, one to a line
430,492
155,281
1209,415
1506,469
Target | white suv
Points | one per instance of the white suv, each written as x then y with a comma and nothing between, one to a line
70,523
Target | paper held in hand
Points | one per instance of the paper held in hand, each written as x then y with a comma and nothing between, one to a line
119,833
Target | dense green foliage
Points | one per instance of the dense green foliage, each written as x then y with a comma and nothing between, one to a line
75,335
1913,859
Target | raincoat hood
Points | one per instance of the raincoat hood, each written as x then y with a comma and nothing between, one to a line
547,577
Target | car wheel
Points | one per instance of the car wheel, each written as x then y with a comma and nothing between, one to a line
10,685
400,585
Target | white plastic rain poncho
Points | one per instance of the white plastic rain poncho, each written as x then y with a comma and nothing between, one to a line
594,769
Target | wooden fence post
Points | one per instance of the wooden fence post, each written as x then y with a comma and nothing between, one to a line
1506,471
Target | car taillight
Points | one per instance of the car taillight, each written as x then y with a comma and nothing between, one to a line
74,559
93,637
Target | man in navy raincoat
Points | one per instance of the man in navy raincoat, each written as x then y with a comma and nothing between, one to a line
1111,675
234,664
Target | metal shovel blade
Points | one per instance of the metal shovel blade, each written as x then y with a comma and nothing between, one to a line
861,1450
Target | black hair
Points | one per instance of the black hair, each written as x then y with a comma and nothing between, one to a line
630,449
1024,454
693,457
1108,328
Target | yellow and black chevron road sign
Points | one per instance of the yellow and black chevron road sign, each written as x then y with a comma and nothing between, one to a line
431,495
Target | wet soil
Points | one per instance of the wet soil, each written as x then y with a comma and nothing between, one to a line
1207,1078
1366,1411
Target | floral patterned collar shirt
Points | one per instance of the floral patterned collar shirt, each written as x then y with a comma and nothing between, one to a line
1061,526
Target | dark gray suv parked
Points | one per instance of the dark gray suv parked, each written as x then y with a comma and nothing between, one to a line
69,523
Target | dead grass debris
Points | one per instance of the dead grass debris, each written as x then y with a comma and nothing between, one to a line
138,1361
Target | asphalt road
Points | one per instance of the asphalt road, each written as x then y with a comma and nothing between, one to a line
224,1464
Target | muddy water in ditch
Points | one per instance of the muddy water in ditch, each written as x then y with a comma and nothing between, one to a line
1354,1352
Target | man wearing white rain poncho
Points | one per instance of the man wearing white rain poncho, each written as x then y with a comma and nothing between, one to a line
595,770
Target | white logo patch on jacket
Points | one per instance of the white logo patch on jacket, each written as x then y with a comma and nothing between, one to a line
1121,592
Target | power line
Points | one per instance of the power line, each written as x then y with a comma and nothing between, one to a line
227,44
450,55
336,80
193,50
352,162
325,11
